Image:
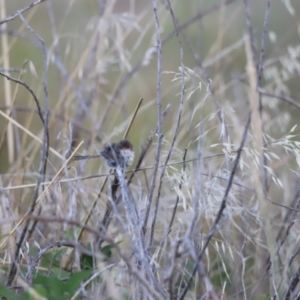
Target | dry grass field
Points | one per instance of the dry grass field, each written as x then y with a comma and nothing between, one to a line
207,92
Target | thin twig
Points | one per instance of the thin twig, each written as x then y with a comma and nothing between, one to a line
177,198
39,110
181,27
292,285
51,245
138,106
46,144
20,11
44,153
109,207
134,171
42,195
221,209
262,45
159,116
108,213
26,232
102,187
285,98
131,212
11,111
180,109
57,154
59,116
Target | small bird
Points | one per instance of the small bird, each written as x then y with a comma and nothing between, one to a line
115,154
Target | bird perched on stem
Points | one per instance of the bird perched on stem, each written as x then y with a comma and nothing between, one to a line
115,154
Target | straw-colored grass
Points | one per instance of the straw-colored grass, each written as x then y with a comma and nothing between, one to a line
205,92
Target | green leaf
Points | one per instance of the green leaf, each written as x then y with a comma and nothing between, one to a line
76,279
8,293
59,253
59,272
86,261
106,250
54,286
40,290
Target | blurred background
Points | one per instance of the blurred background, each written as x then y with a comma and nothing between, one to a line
92,61
101,63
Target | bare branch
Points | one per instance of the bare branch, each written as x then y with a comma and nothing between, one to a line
159,116
221,209
180,109
20,11
262,45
